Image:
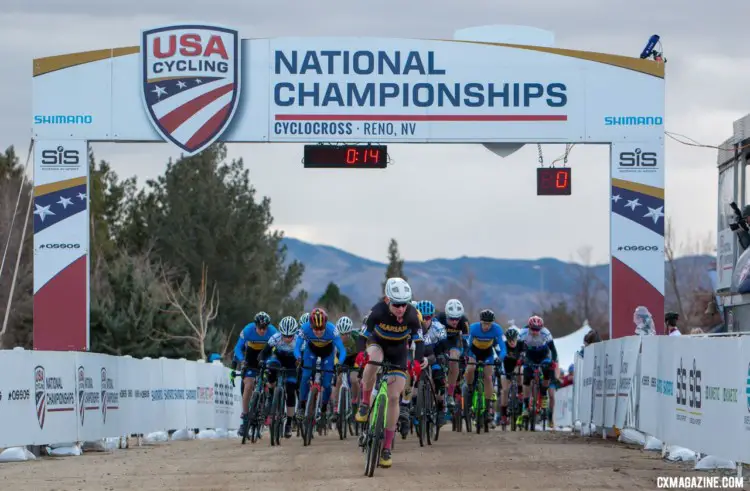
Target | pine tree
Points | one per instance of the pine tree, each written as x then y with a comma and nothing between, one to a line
395,264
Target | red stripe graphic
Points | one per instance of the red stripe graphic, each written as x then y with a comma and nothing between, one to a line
422,117
629,290
173,119
60,310
208,128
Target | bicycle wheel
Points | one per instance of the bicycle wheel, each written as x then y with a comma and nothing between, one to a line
277,411
308,424
437,413
251,418
341,422
377,429
531,425
466,406
478,396
420,413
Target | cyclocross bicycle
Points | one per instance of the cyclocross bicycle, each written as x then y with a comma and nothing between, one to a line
344,407
278,404
535,401
254,416
312,419
426,410
474,405
373,435
457,419
515,404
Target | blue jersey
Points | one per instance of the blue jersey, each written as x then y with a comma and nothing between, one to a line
251,341
482,342
321,346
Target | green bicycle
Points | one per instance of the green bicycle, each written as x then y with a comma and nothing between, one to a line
373,434
474,405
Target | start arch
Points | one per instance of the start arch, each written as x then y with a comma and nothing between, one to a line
193,84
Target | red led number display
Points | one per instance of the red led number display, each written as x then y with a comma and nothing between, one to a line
346,156
551,181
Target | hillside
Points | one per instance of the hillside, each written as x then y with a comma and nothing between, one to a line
513,285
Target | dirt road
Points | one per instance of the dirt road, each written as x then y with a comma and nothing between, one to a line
545,461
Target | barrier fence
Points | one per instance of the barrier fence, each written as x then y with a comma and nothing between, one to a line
50,397
690,391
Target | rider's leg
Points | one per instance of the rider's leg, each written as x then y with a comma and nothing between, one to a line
375,354
327,379
452,374
470,369
249,383
335,393
308,360
527,374
396,384
291,399
504,397
354,384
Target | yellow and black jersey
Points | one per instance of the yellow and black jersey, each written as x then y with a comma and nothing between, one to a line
461,329
384,326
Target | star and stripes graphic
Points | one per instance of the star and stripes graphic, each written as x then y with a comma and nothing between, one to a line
190,111
56,206
640,204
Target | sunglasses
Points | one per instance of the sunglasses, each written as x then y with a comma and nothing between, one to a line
427,318
399,305
321,328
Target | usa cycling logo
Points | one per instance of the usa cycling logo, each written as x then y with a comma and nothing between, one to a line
190,82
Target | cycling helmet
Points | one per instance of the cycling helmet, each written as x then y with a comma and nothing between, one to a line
572,368
487,316
214,357
414,303
262,319
426,308
398,291
454,309
511,334
344,325
304,318
288,326
535,323
318,318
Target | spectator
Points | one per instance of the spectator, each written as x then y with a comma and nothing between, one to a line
568,378
696,330
644,322
670,323
590,337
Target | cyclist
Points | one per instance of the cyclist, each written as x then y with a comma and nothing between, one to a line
456,327
513,350
483,337
392,323
319,339
538,347
279,352
252,341
349,336
433,333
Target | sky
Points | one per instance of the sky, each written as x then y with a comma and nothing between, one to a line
501,216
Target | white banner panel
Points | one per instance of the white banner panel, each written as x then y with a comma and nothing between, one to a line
563,415
628,357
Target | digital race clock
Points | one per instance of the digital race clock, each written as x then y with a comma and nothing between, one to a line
553,181
344,156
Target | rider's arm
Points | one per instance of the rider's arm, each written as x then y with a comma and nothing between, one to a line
553,349
265,353
340,348
239,348
298,346
500,344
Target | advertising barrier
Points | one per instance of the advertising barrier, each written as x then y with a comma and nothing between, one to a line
49,397
691,391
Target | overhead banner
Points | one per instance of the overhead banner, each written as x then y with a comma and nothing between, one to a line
193,84
61,218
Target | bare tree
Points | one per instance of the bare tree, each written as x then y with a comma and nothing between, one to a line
197,308
591,294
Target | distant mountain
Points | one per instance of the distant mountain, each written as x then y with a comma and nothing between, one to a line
513,285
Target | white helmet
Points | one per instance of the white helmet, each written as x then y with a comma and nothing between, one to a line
288,326
454,309
397,290
344,325
414,303
304,318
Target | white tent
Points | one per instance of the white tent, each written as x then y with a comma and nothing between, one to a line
568,345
